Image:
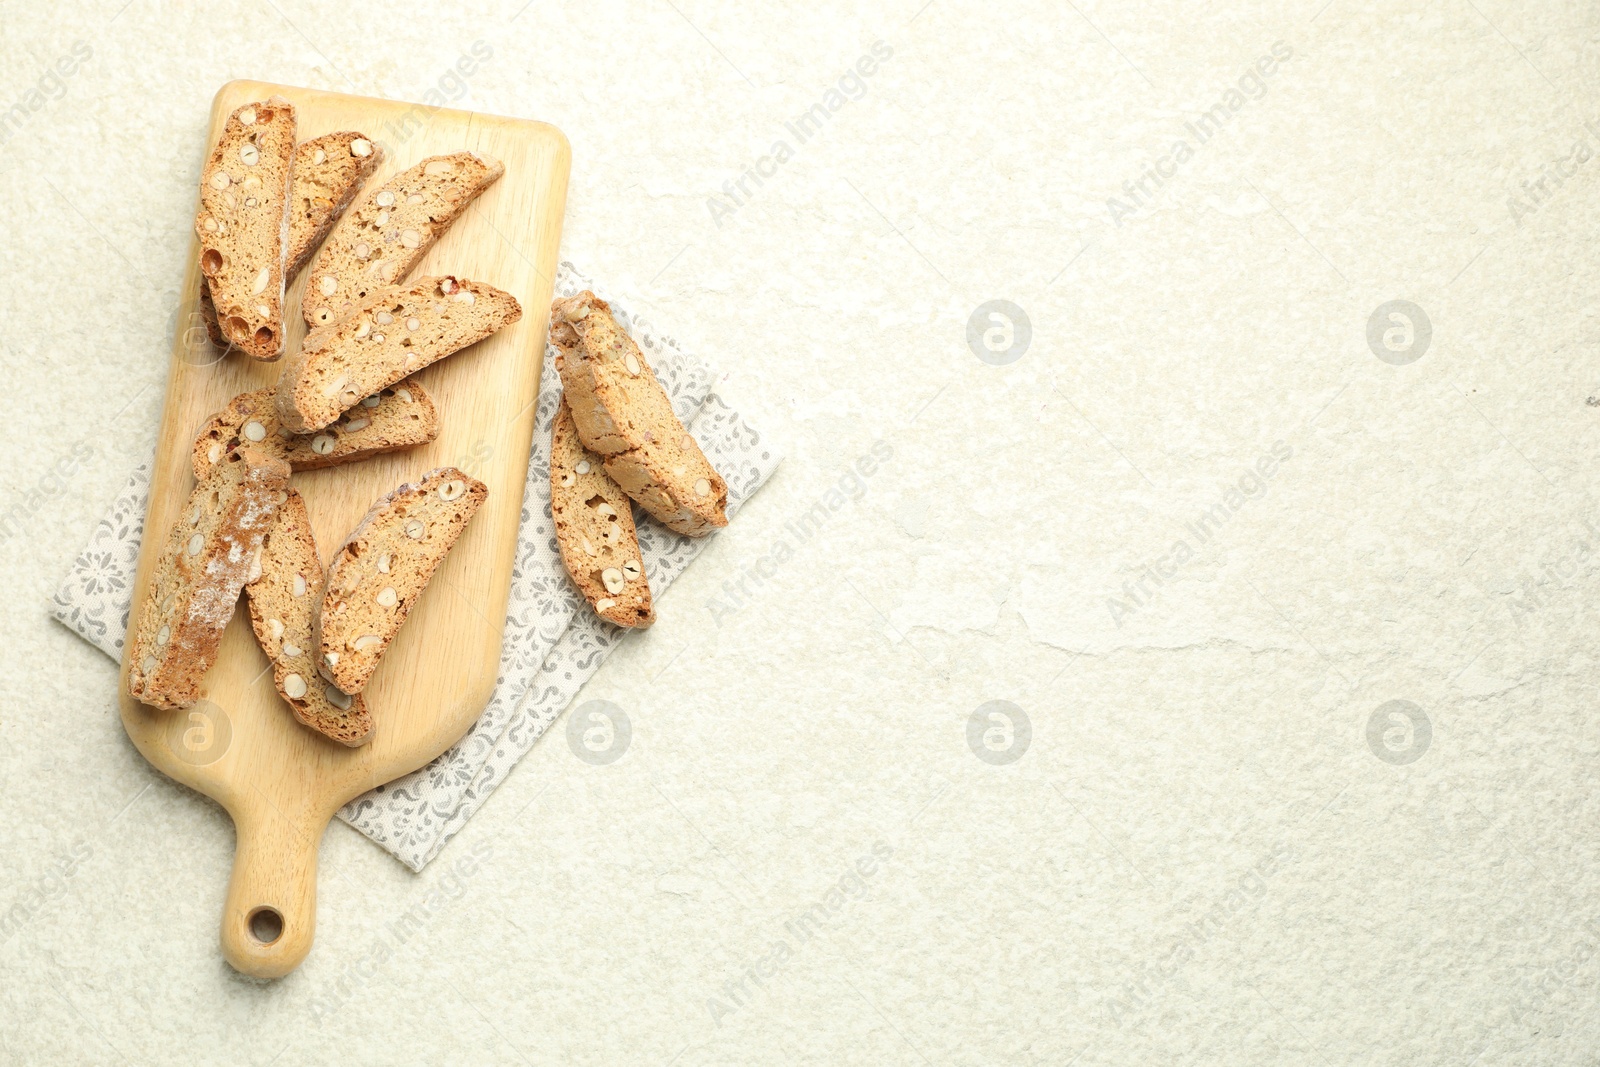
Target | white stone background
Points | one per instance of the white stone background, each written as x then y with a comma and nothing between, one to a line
1209,756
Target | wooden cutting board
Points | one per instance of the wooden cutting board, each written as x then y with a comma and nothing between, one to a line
279,781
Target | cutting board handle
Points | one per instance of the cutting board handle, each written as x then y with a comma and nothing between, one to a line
270,917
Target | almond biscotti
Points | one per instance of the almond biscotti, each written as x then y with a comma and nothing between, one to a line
392,227
212,550
283,606
383,566
328,173
594,530
622,412
243,225
393,333
397,417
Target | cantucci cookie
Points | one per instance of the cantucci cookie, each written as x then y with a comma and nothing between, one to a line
400,416
243,225
395,332
283,606
328,173
380,239
212,550
622,412
594,530
383,566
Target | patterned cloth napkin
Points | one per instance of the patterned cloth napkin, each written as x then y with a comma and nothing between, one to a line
551,646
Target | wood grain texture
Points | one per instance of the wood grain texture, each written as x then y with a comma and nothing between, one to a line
279,781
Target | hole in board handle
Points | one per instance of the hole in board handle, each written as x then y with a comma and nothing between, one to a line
266,925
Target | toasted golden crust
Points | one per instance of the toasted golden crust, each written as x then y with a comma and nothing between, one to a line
327,173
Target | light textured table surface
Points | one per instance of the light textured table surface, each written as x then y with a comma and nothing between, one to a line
1200,533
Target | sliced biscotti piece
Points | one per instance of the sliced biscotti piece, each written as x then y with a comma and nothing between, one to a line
384,565
283,607
400,416
328,173
394,332
212,550
390,229
594,530
622,412
243,224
